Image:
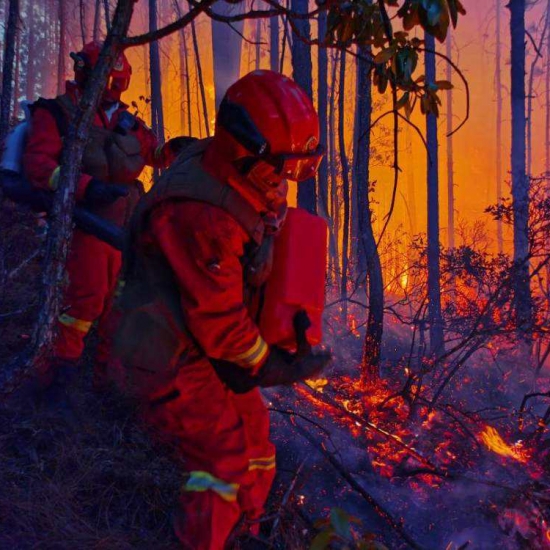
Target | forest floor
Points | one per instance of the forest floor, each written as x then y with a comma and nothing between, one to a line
96,480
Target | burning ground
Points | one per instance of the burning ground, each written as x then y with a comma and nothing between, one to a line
435,454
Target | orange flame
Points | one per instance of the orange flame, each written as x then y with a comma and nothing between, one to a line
494,442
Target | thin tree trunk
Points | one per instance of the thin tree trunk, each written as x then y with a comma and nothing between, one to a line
547,101
530,96
61,59
31,62
82,16
302,74
411,191
520,181
157,117
107,13
16,78
226,48
498,78
334,201
97,20
258,49
12,27
322,100
345,187
434,289
200,78
274,43
184,77
375,284
450,152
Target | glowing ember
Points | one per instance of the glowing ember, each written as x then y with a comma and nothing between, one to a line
317,384
494,442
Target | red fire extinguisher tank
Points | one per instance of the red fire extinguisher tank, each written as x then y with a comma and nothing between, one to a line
297,280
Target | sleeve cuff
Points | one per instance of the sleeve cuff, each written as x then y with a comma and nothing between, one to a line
254,357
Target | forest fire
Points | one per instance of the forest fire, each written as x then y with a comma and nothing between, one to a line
494,442
422,420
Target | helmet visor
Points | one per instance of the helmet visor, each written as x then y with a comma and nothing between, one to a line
118,83
297,166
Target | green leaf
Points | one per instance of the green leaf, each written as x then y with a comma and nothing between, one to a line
322,540
384,55
402,101
340,520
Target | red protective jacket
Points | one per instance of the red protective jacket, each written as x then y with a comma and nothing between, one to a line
203,245
43,150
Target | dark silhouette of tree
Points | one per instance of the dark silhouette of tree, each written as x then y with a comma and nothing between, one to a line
226,47
345,187
12,28
520,182
498,84
450,151
157,116
434,272
301,73
366,239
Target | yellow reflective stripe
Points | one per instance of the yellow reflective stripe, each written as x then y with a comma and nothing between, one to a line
203,481
53,182
78,324
254,355
266,463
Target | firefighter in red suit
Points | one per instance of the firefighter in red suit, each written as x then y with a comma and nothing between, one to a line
188,338
119,147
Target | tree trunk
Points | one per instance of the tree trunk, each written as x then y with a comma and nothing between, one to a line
226,47
258,48
200,80
520,182
82,17
547,102
274,44
434,290
450,152
107,13
157,117
345,187
97,20
31,62
17,75
62,55
498,82
531,94
322,101
301,72
10,36
367,242
334,201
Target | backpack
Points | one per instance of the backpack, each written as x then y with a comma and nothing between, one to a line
15,186
18,189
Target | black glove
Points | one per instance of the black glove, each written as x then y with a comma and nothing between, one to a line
178,144
283,368
99,193
280,369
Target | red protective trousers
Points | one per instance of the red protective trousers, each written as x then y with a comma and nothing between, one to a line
93,268
230,461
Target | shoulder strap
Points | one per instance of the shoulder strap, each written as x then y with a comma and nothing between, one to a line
186,179
56,109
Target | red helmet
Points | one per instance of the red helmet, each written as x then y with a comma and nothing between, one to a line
267,128
119,79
